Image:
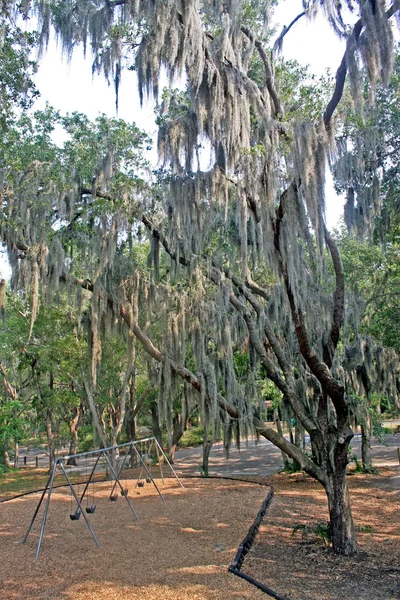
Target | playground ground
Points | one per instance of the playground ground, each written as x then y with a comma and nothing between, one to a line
180,549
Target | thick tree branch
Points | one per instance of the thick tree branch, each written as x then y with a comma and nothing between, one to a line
338,297
10,388
291,450
330,385
269,80
342,70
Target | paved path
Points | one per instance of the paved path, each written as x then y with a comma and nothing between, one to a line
263,458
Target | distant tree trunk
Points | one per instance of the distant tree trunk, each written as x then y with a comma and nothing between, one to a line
73,425
228,437
130,426
366,445
278,424
155,425
180,425
207,445
50,440
16,454
6,457
178,431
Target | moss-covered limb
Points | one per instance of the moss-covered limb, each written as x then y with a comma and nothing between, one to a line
338,298
342,71
291,450
11,390
277,46
286,386
317,366
269,80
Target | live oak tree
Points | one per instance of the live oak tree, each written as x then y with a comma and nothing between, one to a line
239,248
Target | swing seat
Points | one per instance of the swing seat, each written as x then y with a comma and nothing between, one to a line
140,483
124,492
114,497
91,509
148,479
76,515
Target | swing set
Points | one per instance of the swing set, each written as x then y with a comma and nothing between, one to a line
111,457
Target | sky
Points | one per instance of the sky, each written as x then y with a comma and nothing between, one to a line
70,86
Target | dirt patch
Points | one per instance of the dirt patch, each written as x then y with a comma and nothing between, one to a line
300,566
181,549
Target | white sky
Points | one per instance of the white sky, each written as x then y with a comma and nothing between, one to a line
71,87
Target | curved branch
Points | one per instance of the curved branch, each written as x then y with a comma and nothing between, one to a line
342,70
338,296
277,47
269,80
291,450
333,388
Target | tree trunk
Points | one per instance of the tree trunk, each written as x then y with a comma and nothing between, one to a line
50,441
365,446
207,445
278,424
100,430
6,458
341,520
130,424
73,425
177,433
16,455
155,423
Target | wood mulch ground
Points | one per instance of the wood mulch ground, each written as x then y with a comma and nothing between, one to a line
180,549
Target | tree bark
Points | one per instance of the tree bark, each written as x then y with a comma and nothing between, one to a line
16,455
6,457
73,425
155,423
207,445
278,424
342,525
50,441
365,445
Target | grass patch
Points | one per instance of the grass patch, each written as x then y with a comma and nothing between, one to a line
21,481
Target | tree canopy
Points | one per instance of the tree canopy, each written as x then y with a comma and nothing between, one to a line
240,260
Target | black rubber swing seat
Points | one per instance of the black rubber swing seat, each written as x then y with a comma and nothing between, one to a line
124,492
148,480
114,497
91,509
76,515
140,483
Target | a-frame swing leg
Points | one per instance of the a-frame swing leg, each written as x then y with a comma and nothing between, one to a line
159,461
80,506
144,466
117,481
159,449
48,486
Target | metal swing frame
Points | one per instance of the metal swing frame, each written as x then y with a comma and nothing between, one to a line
115,472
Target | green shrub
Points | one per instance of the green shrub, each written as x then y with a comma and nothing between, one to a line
192,437
86,440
